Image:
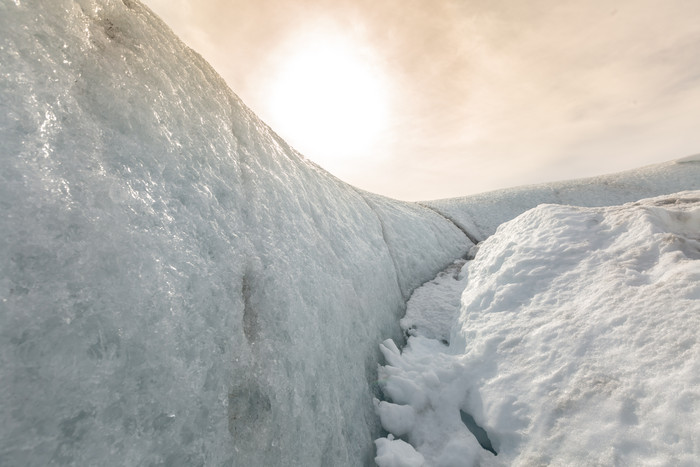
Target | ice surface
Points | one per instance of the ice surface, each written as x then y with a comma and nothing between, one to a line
481,214
177,285
576,343
401,236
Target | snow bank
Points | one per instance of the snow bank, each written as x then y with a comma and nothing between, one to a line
576,342
481,214
178,286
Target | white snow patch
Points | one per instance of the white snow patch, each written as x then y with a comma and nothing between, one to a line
397,453
576,343
434,306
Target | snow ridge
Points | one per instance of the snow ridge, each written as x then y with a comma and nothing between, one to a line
481,214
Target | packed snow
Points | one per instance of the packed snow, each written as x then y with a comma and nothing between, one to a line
576,342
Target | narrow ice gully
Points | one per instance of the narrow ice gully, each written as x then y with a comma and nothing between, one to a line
178,286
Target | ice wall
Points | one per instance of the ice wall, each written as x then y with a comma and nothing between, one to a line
401,236
481,214
177,285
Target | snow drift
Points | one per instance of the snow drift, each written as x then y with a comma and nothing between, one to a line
178,286
575,343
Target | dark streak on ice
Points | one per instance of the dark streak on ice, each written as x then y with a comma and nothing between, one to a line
470,236
250,315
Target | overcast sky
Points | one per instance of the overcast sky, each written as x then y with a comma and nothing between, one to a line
474,95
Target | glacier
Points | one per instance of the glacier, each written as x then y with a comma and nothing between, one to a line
179,286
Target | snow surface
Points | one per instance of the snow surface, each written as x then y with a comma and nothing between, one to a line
576,342
481,214
177,285
431,310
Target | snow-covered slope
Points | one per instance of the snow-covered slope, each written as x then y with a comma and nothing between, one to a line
177,285
576,343
481,214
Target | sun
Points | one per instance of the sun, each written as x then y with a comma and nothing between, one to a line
329,99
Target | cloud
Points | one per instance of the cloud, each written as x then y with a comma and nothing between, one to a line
485,93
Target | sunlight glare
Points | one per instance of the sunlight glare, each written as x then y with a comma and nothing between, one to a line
329,100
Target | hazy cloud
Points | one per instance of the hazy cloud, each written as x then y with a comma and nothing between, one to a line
485,93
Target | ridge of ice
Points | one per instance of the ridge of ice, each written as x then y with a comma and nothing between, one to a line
178,286
481,214
685,160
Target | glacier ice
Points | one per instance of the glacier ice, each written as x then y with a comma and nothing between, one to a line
178,285
481,214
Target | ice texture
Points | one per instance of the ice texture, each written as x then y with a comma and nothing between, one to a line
401,236
178,286
576,343
481,214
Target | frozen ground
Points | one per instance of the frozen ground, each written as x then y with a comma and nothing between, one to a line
576,342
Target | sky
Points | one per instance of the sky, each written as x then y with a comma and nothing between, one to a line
421,100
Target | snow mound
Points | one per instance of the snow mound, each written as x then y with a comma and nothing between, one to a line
576,342
480,215
397,453
178,286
